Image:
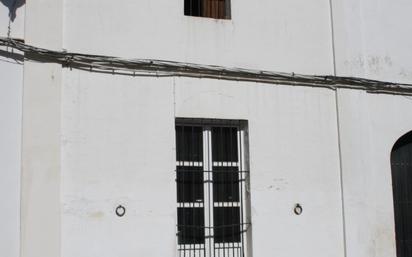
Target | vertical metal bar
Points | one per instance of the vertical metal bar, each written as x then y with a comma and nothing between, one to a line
210,192
183,226
202,151
404,203
242,174
408,169
215,188
206,198
177,198
207,192
208,234
221,152
192,175
232,175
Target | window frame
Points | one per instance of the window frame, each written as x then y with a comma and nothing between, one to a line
210,248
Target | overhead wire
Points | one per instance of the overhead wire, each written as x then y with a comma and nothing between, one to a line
162,68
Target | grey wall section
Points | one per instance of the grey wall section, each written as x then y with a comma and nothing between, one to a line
370,125
11,83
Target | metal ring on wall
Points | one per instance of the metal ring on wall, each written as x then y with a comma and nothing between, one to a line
120,211
298,209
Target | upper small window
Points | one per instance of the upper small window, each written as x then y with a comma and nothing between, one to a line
217,9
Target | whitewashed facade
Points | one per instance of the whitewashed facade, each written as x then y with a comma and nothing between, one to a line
76,144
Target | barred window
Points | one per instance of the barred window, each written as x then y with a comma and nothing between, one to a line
212,177
217,9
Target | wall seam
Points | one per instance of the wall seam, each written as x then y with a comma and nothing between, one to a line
332,30
341,173
21,139
342,195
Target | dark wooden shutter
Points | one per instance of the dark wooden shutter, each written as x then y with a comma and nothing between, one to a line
214,9
401,162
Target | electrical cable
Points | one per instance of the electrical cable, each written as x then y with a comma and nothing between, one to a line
161,68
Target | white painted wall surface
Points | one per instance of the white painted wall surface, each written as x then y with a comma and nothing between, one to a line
11,83
373,39
93,141
370,125
106,146
117,149
293,159
277,35
11,93
40,194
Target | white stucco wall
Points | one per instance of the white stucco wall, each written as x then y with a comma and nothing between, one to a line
11,89
293,159
267,35
372,39
275,35
118,148
93,141
370,125
11,83
40,174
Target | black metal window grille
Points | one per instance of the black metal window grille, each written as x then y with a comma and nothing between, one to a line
401,163
217,9
212,177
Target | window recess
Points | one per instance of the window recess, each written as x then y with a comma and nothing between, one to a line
212,179
217,9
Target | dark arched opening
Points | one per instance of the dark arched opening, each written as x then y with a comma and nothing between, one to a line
401,163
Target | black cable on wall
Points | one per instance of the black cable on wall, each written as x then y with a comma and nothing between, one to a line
160,68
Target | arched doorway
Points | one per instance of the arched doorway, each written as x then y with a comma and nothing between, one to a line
401,163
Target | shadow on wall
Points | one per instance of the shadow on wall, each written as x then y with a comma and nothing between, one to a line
13,5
